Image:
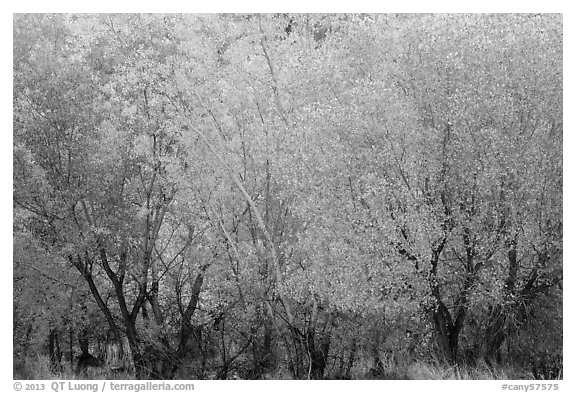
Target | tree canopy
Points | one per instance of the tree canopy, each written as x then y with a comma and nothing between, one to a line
304,196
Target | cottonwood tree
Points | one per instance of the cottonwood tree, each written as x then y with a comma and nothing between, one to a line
296,191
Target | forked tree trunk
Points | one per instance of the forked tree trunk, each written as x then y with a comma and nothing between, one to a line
447,334
186,328
496,333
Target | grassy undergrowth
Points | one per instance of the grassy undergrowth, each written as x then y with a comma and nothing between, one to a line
39,369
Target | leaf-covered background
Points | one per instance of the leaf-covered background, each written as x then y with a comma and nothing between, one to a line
287,196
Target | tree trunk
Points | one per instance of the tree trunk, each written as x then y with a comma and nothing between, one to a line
85,269
84,342
71,346
317,354
186,328
264,357
448,328
494,336
495,333
351,357
320,355
447,333
55,351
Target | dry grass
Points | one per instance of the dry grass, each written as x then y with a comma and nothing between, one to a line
440,371
435,370
39,369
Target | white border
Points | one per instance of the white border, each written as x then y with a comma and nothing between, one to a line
298,6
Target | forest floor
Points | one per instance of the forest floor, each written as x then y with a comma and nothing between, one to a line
39,369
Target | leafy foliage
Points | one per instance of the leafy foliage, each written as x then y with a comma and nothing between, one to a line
220,195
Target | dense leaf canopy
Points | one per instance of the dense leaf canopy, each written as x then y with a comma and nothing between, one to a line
308,193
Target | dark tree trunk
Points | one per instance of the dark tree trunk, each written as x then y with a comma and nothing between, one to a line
84,342
495,335
267,361
55,351
262,352
84,266
448,327
187,330
447,334
446,331
317,353
316,356
86,360
71,346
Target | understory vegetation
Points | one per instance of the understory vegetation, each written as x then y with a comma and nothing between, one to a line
287,196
